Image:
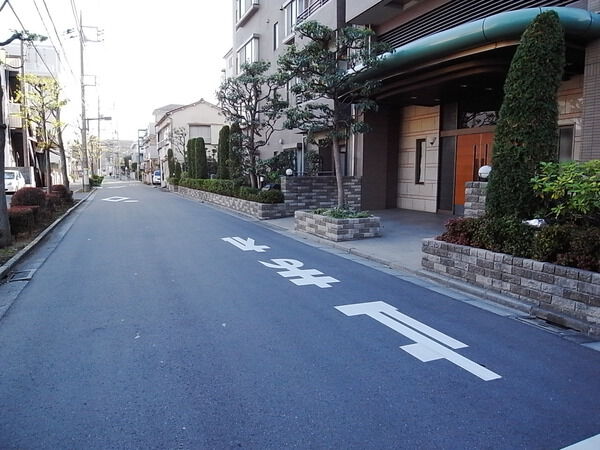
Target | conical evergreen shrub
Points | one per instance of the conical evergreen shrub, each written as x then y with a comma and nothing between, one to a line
201,162
223,154
527,131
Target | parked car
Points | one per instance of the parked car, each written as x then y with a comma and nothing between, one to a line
13,180
156,177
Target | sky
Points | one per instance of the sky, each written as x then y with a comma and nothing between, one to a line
152,54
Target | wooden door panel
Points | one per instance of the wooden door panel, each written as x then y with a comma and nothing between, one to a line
467,147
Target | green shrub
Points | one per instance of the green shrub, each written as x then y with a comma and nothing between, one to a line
29,196
177,170
527,127
191,158
173,181
342,213
21,219
551,241
570,190
584,249
96,180
504,235
231,189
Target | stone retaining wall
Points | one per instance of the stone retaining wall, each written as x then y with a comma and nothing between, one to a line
475,193
319,192
337,229
262,211
563,295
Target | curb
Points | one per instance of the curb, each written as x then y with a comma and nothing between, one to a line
8,265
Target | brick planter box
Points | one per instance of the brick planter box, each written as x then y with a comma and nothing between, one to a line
563,295
261,211
337,229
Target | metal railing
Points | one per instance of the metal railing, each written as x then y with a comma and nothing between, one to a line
315,5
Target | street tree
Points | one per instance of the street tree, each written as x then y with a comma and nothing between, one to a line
252,100
95,150
179,141
5,235
325,65
43,104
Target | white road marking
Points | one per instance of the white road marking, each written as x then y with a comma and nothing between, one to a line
301,277
424,348
247,245
592,443
117,199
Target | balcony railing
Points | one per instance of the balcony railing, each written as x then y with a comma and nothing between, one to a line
311,9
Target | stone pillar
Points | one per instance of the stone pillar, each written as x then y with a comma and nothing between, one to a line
475,194
590,148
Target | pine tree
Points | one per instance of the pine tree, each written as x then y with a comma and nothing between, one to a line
201,162
170,162
223,153
527,127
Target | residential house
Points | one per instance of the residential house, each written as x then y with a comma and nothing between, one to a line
175,126
441,86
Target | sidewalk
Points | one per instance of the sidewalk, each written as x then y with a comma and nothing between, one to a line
399,247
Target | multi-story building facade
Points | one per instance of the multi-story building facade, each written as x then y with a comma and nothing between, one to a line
175,126
441,86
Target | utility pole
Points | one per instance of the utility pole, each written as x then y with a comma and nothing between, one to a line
83,122
24,125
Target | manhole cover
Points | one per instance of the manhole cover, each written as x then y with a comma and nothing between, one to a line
21,275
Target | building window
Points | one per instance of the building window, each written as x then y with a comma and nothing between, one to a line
291,16
275,35
565,143
242,7
202,131
248,53
420,161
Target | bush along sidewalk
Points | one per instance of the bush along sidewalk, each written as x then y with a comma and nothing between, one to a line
230,189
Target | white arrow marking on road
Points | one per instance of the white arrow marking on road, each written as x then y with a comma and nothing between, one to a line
305,277
120,199
424,348
592,443
247,245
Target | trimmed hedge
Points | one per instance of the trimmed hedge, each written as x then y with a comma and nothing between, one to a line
62,191
96,180
29,196
230,189
563,244
21,219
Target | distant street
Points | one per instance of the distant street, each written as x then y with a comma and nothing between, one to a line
159,322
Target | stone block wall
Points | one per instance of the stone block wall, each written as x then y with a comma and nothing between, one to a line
318,192
262,211
563,295
475,194
337,229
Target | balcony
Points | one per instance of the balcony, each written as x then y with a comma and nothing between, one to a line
314,6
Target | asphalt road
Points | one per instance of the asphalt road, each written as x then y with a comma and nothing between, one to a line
143,328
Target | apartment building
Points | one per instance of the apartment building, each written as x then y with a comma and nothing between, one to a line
176,124
441,86
261,31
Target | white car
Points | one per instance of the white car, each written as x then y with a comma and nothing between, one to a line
13,180
156,177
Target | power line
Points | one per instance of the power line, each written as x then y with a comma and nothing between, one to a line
49,35
58,37
32,43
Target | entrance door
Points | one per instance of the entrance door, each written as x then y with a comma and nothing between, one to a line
472,152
